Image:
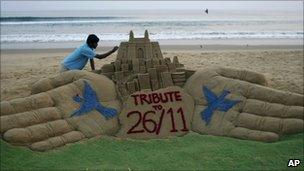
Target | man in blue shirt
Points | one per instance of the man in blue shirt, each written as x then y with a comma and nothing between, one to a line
80,56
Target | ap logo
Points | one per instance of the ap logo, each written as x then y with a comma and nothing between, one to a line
293,162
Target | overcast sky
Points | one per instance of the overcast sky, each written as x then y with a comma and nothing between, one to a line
129,5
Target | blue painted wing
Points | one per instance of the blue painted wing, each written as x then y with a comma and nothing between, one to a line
106,112
81,111
89,93
77,99
206,114
227,104
209,95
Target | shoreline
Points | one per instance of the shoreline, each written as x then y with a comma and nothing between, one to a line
166,48
208,44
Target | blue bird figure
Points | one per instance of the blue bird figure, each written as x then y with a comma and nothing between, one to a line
90,101
215,102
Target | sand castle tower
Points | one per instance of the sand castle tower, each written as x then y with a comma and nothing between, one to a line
140,65
139,48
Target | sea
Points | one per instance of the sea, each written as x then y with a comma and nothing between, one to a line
30,29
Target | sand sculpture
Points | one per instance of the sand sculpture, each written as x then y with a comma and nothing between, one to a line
140,65
143,95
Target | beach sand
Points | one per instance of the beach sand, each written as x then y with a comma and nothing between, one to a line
282,65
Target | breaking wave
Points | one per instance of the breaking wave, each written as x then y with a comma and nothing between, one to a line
155,36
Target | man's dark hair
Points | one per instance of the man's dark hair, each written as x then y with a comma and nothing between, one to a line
92,38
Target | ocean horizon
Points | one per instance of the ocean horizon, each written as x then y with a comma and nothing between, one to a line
163,25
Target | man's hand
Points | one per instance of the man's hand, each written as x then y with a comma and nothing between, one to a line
115,49
44,120
249,111
101,56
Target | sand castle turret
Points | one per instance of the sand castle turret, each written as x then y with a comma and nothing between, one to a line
138,48
140,65
146,35
131,36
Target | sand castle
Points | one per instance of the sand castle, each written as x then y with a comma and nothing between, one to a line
140,65
142,95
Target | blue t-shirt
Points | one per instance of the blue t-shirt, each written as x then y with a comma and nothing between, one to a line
79,57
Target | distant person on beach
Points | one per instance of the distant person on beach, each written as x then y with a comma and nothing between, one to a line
80,56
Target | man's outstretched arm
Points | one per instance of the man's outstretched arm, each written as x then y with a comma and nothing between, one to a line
101,56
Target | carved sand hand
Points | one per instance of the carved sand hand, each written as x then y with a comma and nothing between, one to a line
44,120
259,113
